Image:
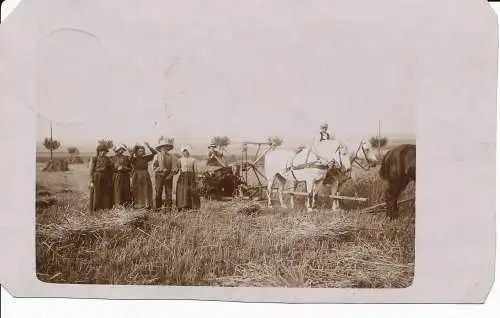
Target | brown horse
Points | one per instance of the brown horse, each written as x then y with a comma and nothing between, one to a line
398,169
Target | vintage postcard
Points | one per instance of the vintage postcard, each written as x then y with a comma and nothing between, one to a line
249,150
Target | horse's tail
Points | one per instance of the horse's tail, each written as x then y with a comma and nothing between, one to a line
383,172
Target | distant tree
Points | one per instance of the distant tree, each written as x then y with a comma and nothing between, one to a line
106,142
51,144
378,142
74,155
275,141
221,141
73,151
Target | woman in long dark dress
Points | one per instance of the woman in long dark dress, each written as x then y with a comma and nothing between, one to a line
122,195
142,187
186,190
101,196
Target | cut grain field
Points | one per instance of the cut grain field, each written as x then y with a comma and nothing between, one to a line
233,243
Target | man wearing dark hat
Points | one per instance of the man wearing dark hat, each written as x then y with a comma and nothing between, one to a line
164,167
215,157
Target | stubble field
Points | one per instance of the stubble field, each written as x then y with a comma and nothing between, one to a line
231,243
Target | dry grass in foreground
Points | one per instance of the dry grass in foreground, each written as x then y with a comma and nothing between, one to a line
224,244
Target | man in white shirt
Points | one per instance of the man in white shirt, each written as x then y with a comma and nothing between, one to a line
323,133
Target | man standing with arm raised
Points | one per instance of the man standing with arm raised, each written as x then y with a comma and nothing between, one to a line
165,167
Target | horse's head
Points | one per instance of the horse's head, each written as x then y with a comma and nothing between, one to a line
334,154
342,153
364,152
368,152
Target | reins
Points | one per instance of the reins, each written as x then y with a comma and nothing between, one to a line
356,157
328,162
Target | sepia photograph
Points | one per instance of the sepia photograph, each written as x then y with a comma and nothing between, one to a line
249,151
268,154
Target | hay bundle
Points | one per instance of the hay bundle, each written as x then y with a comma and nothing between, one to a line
248,208
41,190
75,160
338,230
45,202
44,197
56,165
78,228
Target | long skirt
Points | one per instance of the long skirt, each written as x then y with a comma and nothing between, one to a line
142,189
186,193
101,195
121,188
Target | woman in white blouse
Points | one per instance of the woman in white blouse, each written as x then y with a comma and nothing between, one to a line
186,192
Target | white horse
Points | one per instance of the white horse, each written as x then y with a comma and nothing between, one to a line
360,153
309,165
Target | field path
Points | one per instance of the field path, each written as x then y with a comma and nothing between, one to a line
75,179
79,177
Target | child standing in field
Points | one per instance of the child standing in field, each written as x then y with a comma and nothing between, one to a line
121,177
142,187
186,191
100,180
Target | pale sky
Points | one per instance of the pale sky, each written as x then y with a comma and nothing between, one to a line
247,76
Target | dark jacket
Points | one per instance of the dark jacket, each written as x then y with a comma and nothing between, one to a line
165,164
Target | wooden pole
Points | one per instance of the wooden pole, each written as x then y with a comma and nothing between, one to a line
257,159
376,207
379,150
51,141
245,162
340,197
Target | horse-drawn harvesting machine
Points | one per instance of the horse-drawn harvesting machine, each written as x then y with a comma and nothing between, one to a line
243,178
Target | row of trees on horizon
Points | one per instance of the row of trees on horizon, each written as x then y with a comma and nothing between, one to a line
221,142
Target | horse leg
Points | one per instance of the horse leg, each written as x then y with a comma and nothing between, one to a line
292,201
315,193
392,193
269,189
309,188
307,202
335,191
335,203
313,200
280,192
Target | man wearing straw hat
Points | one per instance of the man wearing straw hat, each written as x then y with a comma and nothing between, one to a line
164,167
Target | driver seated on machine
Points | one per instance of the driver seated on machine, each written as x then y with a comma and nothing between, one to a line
322,136
215,159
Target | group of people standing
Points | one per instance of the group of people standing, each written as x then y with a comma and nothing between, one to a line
125,180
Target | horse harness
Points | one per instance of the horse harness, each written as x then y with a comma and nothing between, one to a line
356,156
315,164
322,137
